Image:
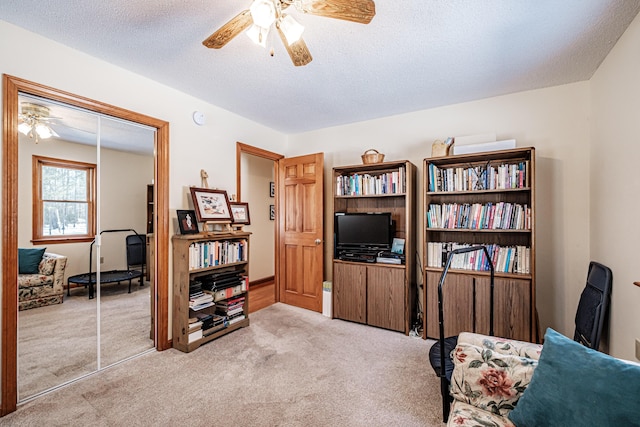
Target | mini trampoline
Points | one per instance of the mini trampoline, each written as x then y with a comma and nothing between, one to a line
136,255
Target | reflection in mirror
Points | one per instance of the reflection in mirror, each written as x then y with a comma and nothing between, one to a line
125,317
59,329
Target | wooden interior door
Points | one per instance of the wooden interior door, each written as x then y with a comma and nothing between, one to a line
300,214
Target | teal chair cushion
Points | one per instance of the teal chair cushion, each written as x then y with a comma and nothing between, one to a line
29,260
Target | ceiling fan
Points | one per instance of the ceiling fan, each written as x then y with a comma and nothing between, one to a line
34,121
262,14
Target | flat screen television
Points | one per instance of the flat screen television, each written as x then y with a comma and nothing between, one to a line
363,231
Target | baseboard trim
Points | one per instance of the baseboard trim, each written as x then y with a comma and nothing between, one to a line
261,282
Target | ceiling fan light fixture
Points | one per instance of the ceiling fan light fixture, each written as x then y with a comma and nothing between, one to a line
24,128
258,35
44,131
263,13
291,28
33,122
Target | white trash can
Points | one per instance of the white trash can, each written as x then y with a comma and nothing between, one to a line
326,299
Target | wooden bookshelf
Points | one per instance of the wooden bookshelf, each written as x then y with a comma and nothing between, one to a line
187,269
501,186
377,294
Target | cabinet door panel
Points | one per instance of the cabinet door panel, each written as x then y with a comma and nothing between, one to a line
386,297
512,312
350,292
458,305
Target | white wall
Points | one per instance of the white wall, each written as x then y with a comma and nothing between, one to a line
615,184
123,199
257,173
555,121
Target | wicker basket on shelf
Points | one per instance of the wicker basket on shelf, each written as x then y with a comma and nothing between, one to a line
372,156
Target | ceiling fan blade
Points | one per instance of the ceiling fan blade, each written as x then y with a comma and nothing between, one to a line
360,11
298,51
228,31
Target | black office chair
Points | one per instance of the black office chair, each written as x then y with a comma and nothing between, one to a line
593,306
137,254
440,352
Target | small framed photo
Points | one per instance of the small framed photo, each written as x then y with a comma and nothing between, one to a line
272,212
272,189
211,205
240,213
187,222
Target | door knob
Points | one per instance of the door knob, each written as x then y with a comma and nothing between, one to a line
318,241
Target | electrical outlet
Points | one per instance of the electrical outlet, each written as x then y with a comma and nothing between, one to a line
101,260
637,349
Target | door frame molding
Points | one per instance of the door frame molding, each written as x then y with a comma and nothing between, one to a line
12,86
275,157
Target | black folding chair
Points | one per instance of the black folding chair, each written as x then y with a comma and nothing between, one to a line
593,306
137,254
440,352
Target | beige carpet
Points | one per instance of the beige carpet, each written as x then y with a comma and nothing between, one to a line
58,343
290,367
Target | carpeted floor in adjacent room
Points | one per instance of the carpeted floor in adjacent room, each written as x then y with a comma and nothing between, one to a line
290,367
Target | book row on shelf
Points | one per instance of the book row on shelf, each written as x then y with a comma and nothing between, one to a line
225,312
505,259
479,177
392,182
478,216
212,253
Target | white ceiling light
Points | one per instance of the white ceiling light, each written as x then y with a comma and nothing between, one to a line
263,13
258,35
291,28
33,122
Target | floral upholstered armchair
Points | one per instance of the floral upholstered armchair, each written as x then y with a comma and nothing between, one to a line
489,377
44,285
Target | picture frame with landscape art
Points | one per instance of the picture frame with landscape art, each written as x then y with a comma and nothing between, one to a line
211,205
240,213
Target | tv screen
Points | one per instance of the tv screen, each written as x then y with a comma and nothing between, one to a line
363,230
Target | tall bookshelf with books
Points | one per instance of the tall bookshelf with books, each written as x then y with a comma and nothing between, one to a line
376,287
210,287
481,199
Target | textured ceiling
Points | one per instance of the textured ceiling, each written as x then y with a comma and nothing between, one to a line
414,55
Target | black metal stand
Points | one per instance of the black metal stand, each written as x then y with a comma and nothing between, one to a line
440,348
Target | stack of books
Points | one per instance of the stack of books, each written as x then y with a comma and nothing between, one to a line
195,329
197,298
232,309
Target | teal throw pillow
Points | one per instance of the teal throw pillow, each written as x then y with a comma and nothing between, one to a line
29,260
576,386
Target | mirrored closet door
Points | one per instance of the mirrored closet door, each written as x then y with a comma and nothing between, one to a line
84,181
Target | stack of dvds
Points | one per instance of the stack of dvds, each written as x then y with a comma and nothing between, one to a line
232,309
198,299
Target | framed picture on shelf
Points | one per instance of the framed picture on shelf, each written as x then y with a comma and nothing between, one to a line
272,189
240,213
272,212
187,222
211,205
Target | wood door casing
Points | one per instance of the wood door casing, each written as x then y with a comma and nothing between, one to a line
300,210
12,86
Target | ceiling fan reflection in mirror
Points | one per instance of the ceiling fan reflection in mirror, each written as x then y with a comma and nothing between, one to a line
263,14
34,121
